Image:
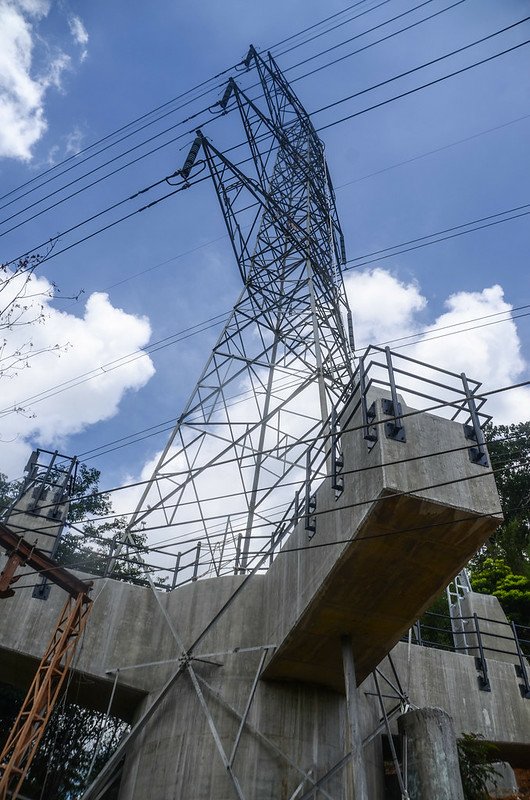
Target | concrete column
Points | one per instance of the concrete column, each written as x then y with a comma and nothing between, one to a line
356,775
432,756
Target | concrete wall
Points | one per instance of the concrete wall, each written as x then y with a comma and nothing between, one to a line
371,590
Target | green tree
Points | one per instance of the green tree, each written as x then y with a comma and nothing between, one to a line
502,567
495,576
509,449
64,757
91,527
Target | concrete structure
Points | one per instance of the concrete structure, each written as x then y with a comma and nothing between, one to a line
235,685
432,755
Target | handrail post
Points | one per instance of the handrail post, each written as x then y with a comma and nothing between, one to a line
394,428
522,671
176,571
480,660
474,431
368,414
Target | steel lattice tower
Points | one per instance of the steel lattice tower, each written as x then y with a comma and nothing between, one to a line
285,354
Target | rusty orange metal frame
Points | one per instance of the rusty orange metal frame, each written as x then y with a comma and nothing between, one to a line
29,726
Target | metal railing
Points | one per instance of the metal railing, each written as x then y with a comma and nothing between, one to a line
480,642
400,379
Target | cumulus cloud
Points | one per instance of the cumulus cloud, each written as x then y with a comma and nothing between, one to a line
382,306
22,89
56,351
385,308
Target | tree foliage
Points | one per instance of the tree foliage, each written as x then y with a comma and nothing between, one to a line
477,770
513,591
509,449
502,567
64,758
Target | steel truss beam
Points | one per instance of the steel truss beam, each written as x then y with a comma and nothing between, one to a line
284,356
29,727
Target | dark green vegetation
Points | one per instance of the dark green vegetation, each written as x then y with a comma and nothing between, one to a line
502,567
65,754
476,767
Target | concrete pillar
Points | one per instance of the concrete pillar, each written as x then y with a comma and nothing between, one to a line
432,758
356,775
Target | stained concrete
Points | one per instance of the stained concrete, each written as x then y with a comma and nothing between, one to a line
433,770
369,571
382,551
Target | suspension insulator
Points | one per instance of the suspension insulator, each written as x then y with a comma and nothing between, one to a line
192,155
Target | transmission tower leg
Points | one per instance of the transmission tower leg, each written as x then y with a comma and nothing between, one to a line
356,776
37,708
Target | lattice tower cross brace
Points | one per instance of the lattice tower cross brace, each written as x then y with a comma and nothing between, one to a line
285,335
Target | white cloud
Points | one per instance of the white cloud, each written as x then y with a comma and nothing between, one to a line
22,91
80,34
385,308
63,347
382,307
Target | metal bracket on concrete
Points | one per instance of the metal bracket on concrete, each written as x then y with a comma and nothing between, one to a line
483,678
394,428
337,458
474,432
521,669
368,414
480,660
476,454
524,687
310,500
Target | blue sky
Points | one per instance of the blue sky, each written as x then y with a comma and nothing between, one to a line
96,66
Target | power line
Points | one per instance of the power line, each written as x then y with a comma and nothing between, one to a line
329,30
306,441
169,424
372,44
316,24
423,86
200,327
55,253
430,64
337,188
174,139
333,509
432,152
149,113
441,238
344,473
161,546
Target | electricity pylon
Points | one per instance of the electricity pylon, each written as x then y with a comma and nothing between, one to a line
285,353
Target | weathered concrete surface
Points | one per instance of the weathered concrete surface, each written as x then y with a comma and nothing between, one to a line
433,770
344,582
450,681
382,551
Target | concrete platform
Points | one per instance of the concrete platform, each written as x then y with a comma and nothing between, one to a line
382,551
